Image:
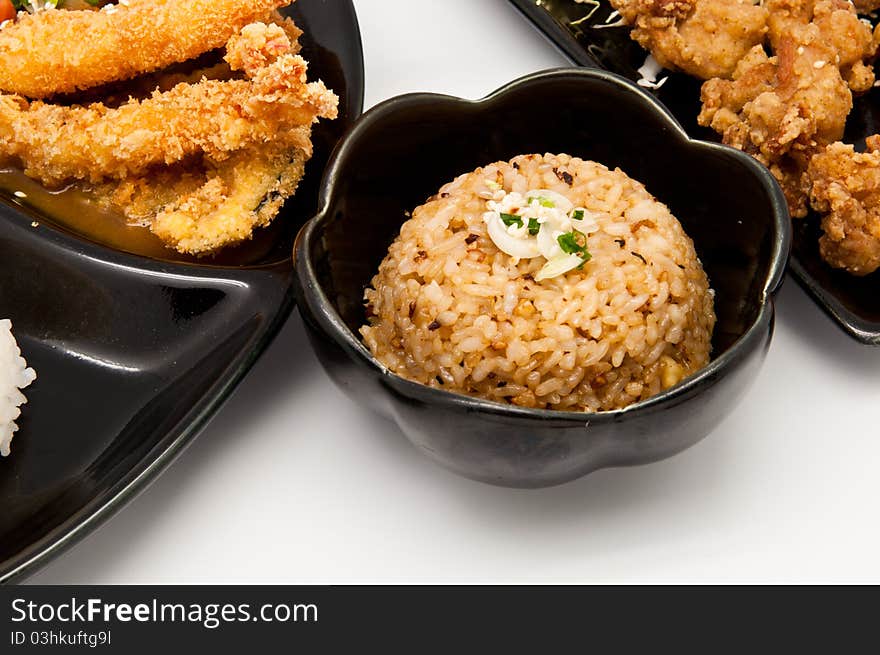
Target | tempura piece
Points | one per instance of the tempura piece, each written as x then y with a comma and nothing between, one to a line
61,51
846,190
198,209
202,153
242,196
214,197
782,109
57,144
704,38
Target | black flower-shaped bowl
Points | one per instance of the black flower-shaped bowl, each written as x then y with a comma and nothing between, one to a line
401,152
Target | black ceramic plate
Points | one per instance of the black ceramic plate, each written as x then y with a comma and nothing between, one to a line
133,354
578,30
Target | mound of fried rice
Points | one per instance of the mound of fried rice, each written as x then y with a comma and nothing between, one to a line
450,310
14,376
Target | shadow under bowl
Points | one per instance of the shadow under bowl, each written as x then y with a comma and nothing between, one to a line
401,152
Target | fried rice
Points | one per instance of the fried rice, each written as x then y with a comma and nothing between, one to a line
449,309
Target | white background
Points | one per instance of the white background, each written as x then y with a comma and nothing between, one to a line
292,483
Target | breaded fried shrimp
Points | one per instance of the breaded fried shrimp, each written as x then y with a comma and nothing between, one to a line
213,118
61,51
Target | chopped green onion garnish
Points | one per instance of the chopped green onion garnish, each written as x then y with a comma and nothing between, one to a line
568,243
575,243
511,219
578,215
541,200
534,226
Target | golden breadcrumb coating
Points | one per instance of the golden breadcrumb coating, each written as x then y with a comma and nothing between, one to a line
199,208
61,51
203,160
214,118
202,203
704,38
846,190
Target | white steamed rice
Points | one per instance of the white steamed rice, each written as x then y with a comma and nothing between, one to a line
14,376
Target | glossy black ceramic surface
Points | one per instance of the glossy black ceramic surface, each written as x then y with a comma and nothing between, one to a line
401,152
135,355
578,31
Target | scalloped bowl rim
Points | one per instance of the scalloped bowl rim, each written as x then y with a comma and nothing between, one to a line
348,341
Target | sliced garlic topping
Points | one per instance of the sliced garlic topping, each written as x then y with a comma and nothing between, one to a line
547,199
558,266
510,243
548,240
531,224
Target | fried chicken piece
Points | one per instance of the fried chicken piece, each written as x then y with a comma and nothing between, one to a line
62,51
704,38
214,118
839,27
866,6
782,109
846,189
